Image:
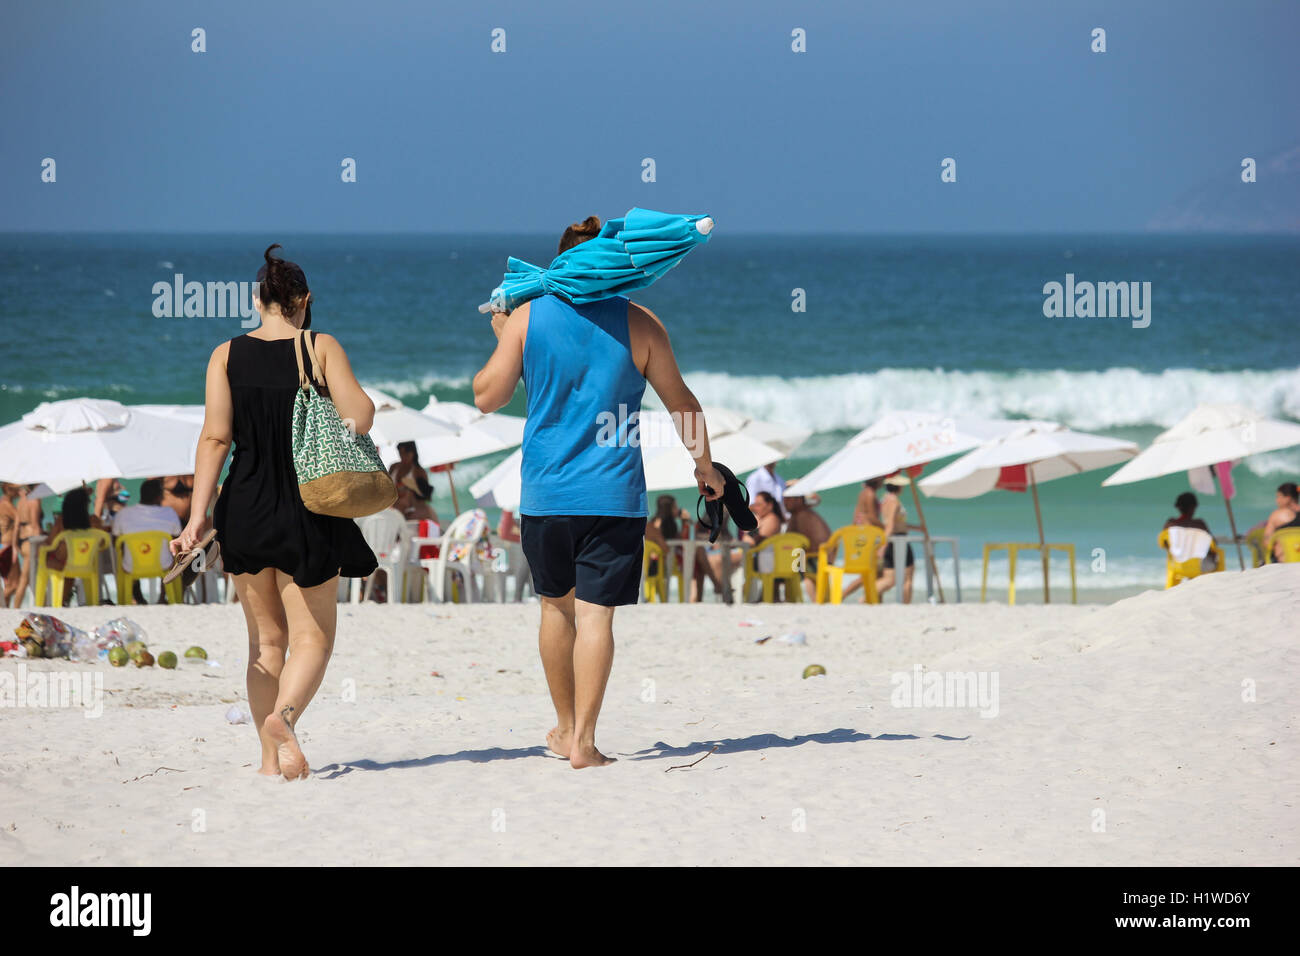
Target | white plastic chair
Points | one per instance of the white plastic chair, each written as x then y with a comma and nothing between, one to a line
517,570
470,565
390,539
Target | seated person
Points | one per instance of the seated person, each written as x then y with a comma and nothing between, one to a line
149,515
1286,515
74,516
663,527
1186,504
807,522
177,491
413,488
769,515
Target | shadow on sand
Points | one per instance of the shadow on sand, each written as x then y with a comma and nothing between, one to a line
734,745
729,745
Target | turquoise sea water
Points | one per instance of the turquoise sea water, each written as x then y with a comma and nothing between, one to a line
952,324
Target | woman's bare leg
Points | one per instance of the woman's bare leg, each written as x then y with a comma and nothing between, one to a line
24,558
268,639
311,614
885,581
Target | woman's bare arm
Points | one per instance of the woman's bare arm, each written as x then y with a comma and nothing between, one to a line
213,447
353,404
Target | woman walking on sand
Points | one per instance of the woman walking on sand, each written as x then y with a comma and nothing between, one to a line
283,559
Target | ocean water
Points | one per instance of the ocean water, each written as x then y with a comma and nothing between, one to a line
944,323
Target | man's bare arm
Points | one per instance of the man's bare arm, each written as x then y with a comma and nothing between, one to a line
661,371
495,383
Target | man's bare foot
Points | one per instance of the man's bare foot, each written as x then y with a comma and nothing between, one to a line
560,742
293,765
588,756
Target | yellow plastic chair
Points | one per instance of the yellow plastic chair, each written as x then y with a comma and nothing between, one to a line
1178,571
654,586
1289,538
789,557
860,544
83,550
146,549
1255,542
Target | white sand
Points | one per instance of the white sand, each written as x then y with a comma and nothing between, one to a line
1134,709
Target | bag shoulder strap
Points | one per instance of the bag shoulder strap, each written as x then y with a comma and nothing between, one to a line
305,342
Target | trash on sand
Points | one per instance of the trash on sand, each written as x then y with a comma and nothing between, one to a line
798,637
813,670
237,715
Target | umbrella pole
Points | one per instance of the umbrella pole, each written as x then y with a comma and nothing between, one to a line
1042,542
451,481
929,549
1231,521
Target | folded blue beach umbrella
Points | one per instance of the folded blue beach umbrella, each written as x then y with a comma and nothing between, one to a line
627,254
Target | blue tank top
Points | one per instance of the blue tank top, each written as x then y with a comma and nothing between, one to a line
584,399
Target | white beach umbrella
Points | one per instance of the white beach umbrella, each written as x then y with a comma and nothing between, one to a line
1209,435
187,413
732,440
470,434
1033,452
79,440
903,439
500,487
738,441
396,422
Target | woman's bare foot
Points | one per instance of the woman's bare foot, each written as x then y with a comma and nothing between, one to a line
270,769
588,756
293,765
560,742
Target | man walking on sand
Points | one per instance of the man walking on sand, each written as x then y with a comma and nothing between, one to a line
583,504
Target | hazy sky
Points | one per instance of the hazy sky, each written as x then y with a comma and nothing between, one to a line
449,136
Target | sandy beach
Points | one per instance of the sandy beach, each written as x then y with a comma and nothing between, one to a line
1118,735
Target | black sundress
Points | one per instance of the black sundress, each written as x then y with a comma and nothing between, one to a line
260,519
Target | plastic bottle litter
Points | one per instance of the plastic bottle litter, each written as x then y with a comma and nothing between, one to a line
57,639
115,633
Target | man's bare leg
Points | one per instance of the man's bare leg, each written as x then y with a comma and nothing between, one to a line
593,657
555,640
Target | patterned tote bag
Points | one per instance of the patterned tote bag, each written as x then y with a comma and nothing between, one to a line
339,472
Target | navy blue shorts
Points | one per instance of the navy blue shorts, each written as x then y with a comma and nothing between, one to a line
598,557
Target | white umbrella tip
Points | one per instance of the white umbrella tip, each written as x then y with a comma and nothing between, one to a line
705,225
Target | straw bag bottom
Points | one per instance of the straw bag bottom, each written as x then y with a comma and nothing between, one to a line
349,494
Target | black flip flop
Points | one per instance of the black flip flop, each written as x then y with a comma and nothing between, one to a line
713,518
736,498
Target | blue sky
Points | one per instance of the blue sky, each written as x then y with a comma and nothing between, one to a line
451,137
